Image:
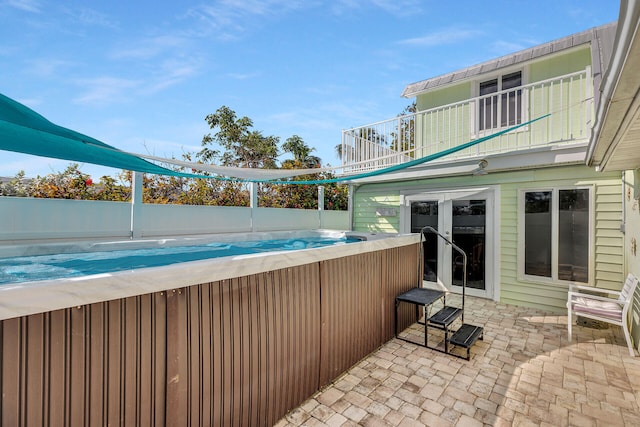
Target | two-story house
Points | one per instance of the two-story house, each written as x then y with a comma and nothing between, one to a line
530,214
615,140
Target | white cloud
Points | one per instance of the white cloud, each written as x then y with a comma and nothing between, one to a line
165,61
32,165
261,7
30,102
503,47
446,36
106,90
25,5
91,17
395,7
171,73
149,47
227,19
48,67
243,76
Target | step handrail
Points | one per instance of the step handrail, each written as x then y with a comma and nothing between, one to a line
454,246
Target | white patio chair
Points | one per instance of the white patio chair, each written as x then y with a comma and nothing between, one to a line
608,309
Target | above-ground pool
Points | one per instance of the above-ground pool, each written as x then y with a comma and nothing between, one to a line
40,277
76,261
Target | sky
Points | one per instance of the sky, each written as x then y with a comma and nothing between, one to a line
142,75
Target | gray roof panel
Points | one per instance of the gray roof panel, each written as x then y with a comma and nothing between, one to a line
605,32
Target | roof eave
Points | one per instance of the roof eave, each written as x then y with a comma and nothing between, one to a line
525,55
618,113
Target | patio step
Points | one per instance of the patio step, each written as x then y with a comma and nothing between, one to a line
466,336
445,317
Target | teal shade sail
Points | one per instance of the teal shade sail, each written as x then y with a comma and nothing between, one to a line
22,130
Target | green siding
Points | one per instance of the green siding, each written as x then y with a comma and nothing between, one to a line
608,267
445,96
632,235
365,217
559,65
448,116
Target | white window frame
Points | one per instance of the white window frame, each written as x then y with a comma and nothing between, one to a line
555,215
474,115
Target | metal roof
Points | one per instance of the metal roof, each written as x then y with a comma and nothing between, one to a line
601,52
615,141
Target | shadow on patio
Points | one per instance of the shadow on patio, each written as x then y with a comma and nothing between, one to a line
524,372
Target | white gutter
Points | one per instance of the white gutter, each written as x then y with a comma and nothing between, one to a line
628,25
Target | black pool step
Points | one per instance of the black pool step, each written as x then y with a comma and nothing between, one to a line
466,336
446,316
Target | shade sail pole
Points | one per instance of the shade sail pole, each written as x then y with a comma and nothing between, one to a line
136,204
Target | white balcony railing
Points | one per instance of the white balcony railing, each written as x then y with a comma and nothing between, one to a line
568,99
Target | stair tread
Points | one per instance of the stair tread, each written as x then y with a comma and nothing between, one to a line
446,316
467,335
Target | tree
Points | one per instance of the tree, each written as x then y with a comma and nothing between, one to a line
241,146
18,186
69,184
111,189
404,139
401,140
74,184
244,147
301,153
336,197
362,140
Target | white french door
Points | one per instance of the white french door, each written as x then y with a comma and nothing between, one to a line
466,217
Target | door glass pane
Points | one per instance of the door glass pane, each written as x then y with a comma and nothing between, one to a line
425,213
537,233
469,233
573,235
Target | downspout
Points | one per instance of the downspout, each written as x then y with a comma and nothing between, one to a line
624,206
623,224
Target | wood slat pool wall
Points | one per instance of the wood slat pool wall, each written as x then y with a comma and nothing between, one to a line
241,351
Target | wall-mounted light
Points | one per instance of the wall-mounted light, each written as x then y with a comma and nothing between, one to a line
480,170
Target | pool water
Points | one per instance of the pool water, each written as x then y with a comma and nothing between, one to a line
67,265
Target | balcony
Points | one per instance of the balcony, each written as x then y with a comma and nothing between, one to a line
568,99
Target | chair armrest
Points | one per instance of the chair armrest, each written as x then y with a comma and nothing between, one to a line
596,298
593,289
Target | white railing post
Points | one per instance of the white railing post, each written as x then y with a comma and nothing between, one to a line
136,204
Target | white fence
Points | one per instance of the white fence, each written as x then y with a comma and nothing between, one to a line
24,218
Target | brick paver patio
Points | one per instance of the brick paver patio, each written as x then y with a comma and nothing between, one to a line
524,373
